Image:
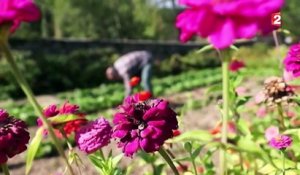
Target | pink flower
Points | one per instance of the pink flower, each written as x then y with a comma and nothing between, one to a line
14,12
260,97
271,132
287,76
261,112
143,125
236,65
224,21
281,142
13,136
292,60
240,90
93,136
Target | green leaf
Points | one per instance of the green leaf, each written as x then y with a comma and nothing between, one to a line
188,146
63,118
248,145
214,88
197,152
233,47
117,159
270,169
243,127
199,135
205,48
33,148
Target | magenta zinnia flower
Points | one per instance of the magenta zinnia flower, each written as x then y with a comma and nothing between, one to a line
143,125
292,60
93,136
280,142
13,12
13,136
224,21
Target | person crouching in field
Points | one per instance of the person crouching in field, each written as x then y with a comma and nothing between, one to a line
135,63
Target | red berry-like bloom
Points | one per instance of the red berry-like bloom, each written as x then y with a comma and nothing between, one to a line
236,65
13,136
144,95
68,127
134,81
143,125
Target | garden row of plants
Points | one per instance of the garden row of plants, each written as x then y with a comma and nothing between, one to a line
106,96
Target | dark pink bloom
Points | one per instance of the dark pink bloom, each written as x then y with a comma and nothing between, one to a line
68,127
143,125
93,136
224,21
14,12
51,111
68,108
236,65
292,60
280,142
13,136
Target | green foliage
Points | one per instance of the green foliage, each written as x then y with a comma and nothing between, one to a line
33,148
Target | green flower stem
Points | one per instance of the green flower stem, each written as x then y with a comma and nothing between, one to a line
163,153
281,118
283,162
5,169
31,98
225,79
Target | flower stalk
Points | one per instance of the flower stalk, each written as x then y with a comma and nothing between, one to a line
225,116
5,169
283,162
163,153
4,47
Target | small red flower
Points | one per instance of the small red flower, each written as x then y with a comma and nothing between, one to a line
134,81
236,65
176,133
200,169
144,95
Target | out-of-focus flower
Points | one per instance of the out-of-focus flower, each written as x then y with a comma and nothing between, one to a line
66,109
260,97
241,91
287,76
93,136
281,142
290,114
143,125
224,21
292,60
261,112
200,169
236,65
231,127
144,95
277,91
182,168
271,132
13,136
14,12
134,81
